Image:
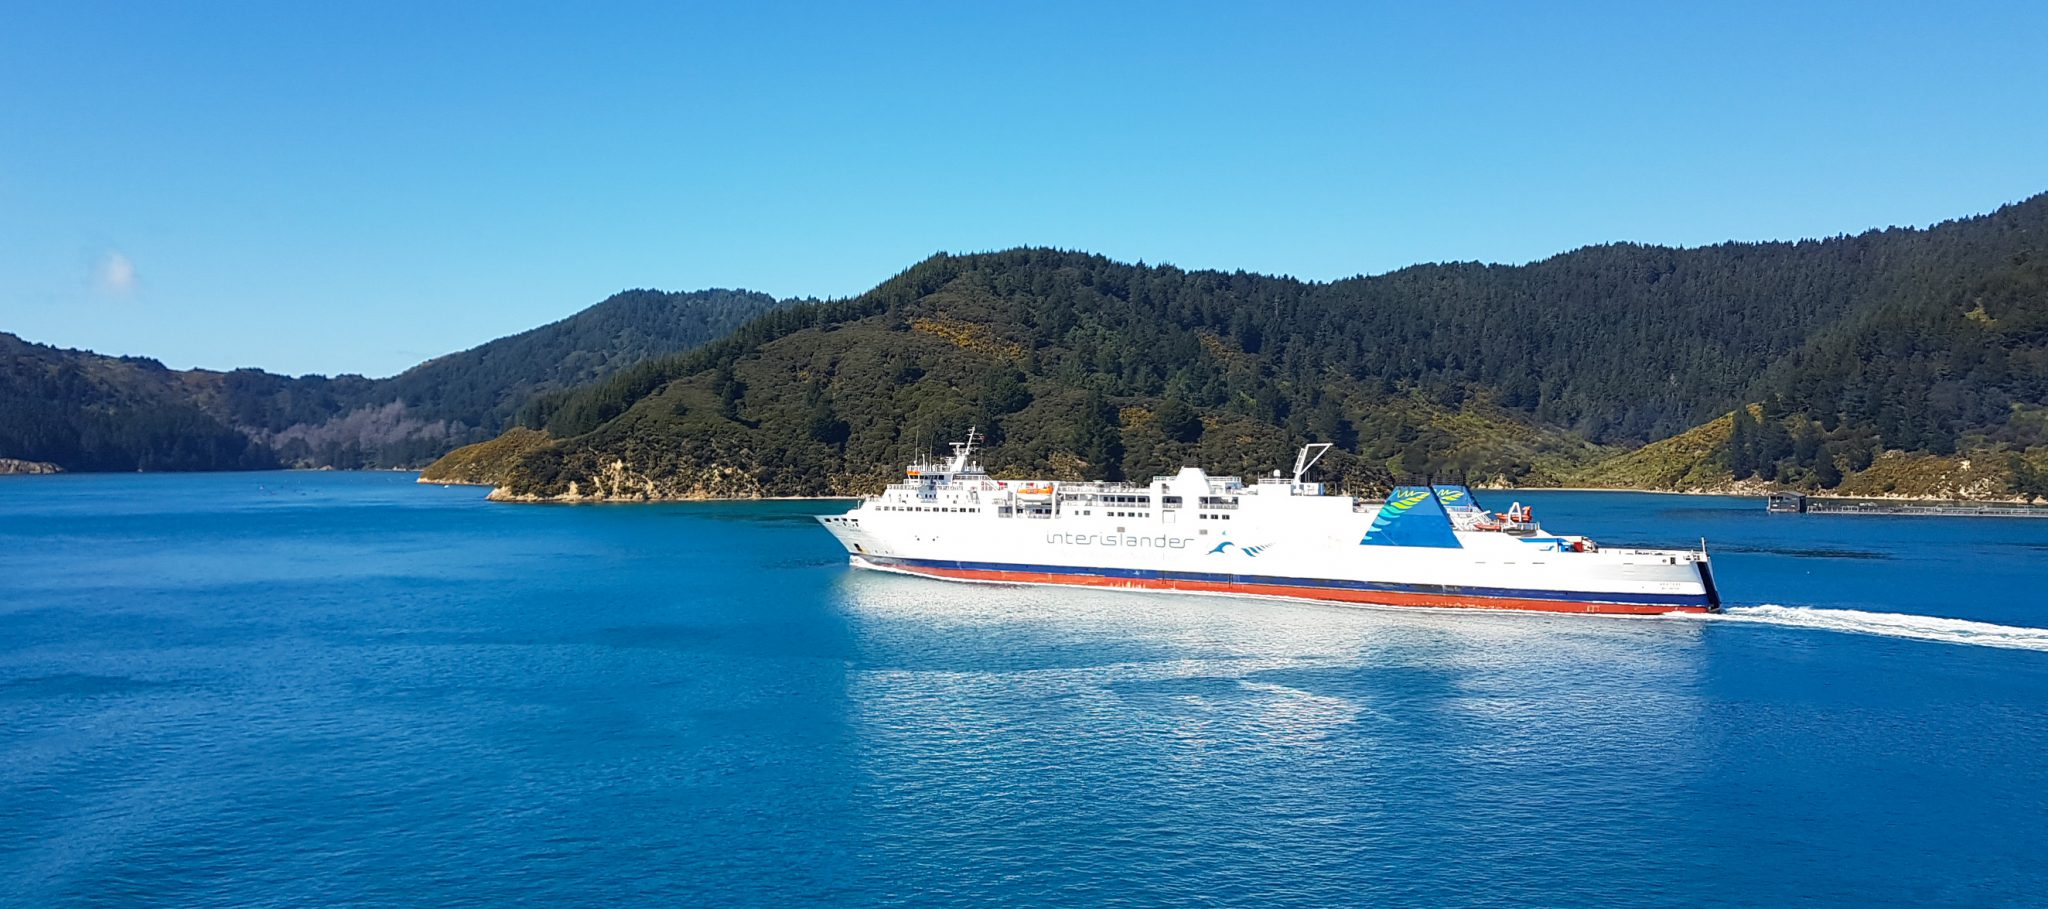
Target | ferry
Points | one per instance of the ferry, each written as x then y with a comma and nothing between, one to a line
1428,545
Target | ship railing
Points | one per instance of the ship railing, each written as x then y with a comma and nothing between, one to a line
1677,555
1293,488
1098,488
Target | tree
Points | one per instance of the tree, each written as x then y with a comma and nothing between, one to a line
1806,444
2027,482
1773,445
1740,451
1178,421
1415,461
1327,424
1825,473
1096,439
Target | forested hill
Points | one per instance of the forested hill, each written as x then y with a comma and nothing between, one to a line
1080,366
85,411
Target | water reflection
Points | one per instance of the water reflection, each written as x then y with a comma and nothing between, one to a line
1350,739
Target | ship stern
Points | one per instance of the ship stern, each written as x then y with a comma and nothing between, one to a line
1706,572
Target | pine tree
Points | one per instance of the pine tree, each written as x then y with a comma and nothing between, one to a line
1825,473
1178,421
1741,451
1097,440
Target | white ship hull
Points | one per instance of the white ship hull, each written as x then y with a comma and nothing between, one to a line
1278,539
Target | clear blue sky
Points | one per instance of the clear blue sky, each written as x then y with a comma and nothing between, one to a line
353,187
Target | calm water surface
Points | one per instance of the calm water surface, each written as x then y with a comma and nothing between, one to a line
347,689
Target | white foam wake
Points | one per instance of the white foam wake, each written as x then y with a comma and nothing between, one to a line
1891,624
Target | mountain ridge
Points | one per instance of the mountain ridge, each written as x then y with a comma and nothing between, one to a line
1068,356
88,411
1929,342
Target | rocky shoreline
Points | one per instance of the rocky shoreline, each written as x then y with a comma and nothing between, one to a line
1895,476
18,467
616,493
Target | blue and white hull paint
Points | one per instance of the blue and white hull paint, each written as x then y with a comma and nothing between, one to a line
1429,546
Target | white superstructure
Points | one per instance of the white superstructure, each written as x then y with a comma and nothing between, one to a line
1280,536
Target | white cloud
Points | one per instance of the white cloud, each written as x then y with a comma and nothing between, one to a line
117,274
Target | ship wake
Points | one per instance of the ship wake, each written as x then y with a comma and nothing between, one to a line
1889,624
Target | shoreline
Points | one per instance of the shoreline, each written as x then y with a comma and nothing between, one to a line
594,500
1655,492
1506,490
523,500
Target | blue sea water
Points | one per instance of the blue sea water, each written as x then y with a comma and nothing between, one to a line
347,689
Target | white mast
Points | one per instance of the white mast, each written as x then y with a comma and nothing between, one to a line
961,452
1308,456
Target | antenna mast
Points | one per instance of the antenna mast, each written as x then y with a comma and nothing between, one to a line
961,452
1308,456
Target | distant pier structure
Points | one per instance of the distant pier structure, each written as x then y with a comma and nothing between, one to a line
1786,503
1800,503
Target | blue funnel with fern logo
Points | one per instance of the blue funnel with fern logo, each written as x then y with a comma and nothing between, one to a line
1456,498
1412,516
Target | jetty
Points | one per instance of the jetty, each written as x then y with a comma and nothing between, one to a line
1800,503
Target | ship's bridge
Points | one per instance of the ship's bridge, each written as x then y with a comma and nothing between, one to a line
1190,498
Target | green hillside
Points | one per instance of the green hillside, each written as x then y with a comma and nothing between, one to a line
1080,366
1691,461
85,411
1933,395
1853,353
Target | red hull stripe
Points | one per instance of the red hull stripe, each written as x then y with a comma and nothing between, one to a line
1332,594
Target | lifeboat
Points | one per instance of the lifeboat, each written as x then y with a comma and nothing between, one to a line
1519,520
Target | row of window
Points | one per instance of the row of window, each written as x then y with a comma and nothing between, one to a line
1085,513
1146,501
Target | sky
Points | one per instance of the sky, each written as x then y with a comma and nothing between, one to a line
359,186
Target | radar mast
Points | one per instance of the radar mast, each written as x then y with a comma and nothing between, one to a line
962,451
1308,456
